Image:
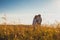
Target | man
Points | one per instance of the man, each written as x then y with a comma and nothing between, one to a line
37,19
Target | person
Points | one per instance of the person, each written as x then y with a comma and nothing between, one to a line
37,20
34,20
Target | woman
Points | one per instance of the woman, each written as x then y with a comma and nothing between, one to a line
34,20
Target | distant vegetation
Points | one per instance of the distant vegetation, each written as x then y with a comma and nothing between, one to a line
29,32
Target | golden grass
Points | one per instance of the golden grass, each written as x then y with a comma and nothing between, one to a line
29,32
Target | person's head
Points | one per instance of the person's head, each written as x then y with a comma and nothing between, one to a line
39,15
35,16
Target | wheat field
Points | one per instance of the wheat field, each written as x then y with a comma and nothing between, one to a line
29,32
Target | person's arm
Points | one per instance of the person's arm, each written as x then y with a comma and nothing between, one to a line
41,19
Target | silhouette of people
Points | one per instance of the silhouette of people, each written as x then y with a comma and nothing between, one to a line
37,19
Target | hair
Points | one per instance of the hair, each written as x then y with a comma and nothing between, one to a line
39,15
35,17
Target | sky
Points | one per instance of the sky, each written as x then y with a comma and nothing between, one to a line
23,11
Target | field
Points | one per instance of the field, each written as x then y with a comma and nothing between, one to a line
30,32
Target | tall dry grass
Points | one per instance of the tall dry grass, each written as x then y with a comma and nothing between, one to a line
29,32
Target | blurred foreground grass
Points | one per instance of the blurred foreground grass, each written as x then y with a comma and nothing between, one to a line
29,32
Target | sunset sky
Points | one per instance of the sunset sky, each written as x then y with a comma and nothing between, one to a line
23,11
